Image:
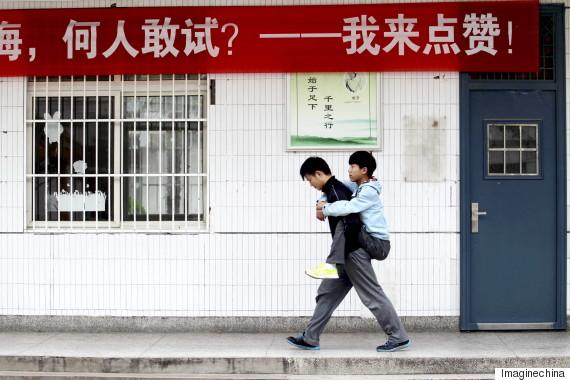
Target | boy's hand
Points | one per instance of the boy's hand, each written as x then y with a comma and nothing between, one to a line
321,205
320,215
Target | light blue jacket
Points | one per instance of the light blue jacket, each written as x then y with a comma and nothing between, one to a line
366,202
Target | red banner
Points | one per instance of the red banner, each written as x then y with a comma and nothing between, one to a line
464,36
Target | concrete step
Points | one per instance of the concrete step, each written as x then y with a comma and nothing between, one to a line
107,376
244,356
244,366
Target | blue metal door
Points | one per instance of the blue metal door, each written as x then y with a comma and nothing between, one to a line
513,208
513,192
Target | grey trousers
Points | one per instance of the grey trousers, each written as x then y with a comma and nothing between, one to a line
336,255
331,292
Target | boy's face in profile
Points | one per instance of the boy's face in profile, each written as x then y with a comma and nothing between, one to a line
356,173
316,180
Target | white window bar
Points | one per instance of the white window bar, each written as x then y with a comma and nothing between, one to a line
109,187
186,147
71,142
160,155
62,207
118,156
172,147
83,165
59,154
122,116
147,152
46,161
203,156
199,157
97,102
32,166
134,165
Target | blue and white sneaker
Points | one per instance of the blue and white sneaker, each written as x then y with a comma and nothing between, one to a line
392,347
299,342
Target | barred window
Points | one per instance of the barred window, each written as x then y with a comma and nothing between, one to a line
513,149
547,57
117,153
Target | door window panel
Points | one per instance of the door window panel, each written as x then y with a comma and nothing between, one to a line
512,149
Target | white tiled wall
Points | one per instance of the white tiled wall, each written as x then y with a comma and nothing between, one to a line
263,233
11,154
255,185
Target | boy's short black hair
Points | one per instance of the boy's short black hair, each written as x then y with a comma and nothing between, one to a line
314,164
364,160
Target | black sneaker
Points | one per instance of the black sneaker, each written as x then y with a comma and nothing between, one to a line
299,342
391,346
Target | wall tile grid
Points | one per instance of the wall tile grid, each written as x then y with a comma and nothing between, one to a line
263,233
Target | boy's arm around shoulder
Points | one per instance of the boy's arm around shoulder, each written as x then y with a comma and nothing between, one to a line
366,197
351,185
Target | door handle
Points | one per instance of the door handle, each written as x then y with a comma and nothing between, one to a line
475,213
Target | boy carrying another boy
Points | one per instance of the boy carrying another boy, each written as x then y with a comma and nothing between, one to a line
357,270
365,201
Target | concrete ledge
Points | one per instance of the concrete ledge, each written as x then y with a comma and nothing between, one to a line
131,376
48,323
278,365
217,354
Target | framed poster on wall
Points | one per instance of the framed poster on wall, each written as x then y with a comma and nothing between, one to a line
333,111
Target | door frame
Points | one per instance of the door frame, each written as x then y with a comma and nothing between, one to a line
558,85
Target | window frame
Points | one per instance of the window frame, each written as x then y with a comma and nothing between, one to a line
119,88
513,176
